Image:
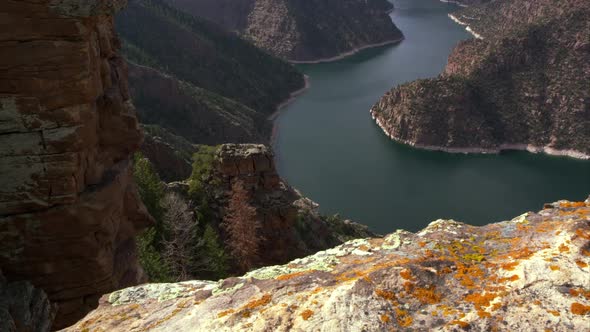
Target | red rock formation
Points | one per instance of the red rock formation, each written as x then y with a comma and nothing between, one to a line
291,224
68,205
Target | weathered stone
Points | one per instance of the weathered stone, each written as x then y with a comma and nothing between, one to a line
528,274
68,207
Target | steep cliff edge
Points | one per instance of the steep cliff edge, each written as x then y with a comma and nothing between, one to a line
69,210
527,274
523,86
302,31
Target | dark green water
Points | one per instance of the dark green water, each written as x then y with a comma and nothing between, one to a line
328,147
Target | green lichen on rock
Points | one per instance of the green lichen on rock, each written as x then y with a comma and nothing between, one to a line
321,261
159,292
229,290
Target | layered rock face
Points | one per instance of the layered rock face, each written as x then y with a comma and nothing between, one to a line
302,31
523,86
68,207
291,224
527,274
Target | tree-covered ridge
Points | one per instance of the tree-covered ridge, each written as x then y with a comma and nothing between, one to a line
199,53
184,243
197,114
301,30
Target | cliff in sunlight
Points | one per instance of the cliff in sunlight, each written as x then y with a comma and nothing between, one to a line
527,274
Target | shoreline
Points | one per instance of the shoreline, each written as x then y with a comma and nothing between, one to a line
292,96
282,105
348,53
454,2
467,27
475,150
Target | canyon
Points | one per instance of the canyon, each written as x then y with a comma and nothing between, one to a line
71,212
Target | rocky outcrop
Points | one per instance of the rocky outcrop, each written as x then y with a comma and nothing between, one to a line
68,207
24,307
527,274
302,31
291,224
523,86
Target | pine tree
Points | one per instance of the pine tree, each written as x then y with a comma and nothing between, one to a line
242,227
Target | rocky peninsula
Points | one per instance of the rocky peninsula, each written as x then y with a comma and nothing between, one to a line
523,86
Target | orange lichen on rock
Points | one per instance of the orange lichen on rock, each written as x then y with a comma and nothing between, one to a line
553,312
572,204
406,274
388,295
466,273
264,300
403,318
316,290
581,263
563,248
579,308
294,275
584,234
513,277
385,318
554,267
427,295
580,291
225,313
483,314
306,314
363,248
481,300
460,323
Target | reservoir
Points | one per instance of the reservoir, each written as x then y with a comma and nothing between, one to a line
329,148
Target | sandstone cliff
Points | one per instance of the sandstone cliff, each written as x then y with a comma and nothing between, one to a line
69,210
528,274
302,30
525,85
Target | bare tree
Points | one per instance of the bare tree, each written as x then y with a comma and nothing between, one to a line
181,226
242,227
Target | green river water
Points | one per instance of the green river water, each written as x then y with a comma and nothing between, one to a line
329,148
